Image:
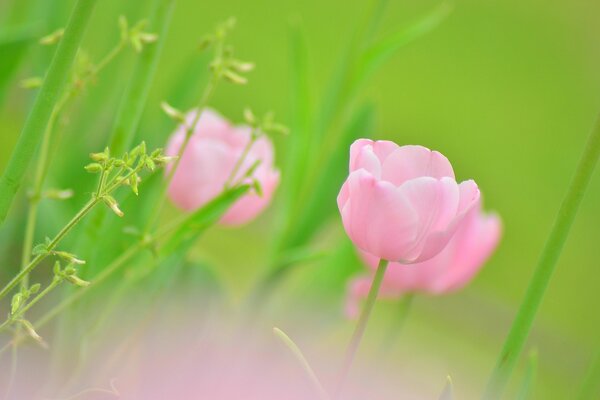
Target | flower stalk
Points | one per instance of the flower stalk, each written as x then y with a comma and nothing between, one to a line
515,341
361,326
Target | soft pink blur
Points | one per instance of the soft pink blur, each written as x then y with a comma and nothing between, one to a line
453,268
208,161
402,203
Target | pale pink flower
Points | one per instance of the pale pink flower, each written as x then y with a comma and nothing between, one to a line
209,160
402,203
453,268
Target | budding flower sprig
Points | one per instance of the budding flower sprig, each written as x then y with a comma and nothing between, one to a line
84,69
20,302
114,172
259,127
223,66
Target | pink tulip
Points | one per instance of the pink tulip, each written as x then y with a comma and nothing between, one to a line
450,270
402,203
209,160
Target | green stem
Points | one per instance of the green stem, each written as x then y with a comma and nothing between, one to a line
361,326
522,324
241,159
44,105
55,282
135,98
106,273
162,197
51,246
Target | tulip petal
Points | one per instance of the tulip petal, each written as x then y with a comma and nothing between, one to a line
376,216
410,162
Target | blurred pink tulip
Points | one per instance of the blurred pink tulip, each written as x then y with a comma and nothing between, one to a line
450,270
402,203
209,160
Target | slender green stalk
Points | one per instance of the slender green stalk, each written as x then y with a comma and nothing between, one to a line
361,326
44,105
51,246
289,343
108,188
241,159
521,327
590,388
136,95
162,197
19,314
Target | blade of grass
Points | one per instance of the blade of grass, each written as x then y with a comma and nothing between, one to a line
295,350
523,322
44,104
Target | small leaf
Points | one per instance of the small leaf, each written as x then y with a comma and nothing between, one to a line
39,249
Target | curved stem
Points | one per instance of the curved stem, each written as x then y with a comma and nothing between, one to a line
44,104
521,327
361,326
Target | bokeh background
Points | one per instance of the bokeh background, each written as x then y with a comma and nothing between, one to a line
507,90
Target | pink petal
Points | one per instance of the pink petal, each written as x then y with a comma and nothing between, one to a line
410,162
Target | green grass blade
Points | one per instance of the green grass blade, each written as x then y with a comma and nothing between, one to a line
322,202
380,52
202,219
300,140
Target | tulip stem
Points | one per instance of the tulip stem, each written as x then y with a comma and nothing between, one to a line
361,326
523,322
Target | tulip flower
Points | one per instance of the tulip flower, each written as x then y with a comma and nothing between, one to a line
217,155
402,203
453,268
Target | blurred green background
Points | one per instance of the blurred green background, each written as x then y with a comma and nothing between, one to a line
507,90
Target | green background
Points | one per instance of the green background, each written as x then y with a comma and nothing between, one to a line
507,90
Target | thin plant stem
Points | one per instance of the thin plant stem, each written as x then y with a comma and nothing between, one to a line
44,104
19,314
110,187
188,134
361,326
53,243
293,347
523,322
241,159
136,95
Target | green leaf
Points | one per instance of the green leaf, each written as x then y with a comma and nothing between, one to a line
203,218
381,51
39,249
321,202
300,140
